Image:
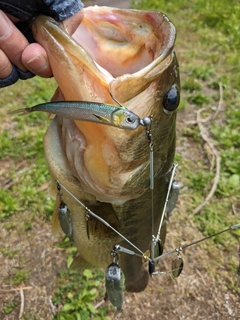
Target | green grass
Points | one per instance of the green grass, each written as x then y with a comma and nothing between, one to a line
77,294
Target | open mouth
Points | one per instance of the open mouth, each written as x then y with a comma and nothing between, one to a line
132,48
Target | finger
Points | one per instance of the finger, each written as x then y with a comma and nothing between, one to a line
5,66
34,58
12,41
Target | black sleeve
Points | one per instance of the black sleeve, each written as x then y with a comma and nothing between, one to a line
25,10
61,10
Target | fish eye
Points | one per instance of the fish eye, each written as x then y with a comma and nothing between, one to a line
171,100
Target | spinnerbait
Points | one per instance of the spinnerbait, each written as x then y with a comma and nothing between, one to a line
177,264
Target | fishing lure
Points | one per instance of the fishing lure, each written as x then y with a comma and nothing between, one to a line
173,197
177,265
65,220
115,278
96,112
115,286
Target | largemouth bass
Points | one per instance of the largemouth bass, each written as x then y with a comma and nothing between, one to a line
107,168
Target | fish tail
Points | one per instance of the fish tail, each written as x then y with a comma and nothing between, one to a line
117,311
21,112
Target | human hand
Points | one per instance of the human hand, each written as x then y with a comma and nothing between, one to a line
16,50
29,58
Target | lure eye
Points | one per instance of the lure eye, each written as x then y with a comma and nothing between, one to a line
129,119
171,100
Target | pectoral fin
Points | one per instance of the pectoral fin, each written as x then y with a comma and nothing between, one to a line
80,264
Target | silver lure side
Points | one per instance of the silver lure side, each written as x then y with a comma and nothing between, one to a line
88,111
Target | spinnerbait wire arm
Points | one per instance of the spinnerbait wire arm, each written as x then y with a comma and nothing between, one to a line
97,217
156,239
179,249
167,199
118,248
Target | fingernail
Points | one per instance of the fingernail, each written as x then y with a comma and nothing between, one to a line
38,63
5,27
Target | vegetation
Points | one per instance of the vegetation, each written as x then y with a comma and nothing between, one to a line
207,46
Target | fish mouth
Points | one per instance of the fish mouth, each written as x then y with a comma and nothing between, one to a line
143,47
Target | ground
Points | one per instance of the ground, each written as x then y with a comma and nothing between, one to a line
204,291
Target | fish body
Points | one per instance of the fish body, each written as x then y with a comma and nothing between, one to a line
107,168
88,111
114,281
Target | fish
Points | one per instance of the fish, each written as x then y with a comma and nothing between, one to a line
87,111
104,167
114,281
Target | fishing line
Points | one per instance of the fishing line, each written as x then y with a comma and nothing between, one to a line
97,217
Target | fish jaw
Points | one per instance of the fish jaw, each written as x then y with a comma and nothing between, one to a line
70,61
108,168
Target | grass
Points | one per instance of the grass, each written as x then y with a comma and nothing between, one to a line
77,295
207,47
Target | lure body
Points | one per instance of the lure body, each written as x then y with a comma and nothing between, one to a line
88,111
115,285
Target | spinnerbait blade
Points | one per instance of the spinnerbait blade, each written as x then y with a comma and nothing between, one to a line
177,266
114,281
65,220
